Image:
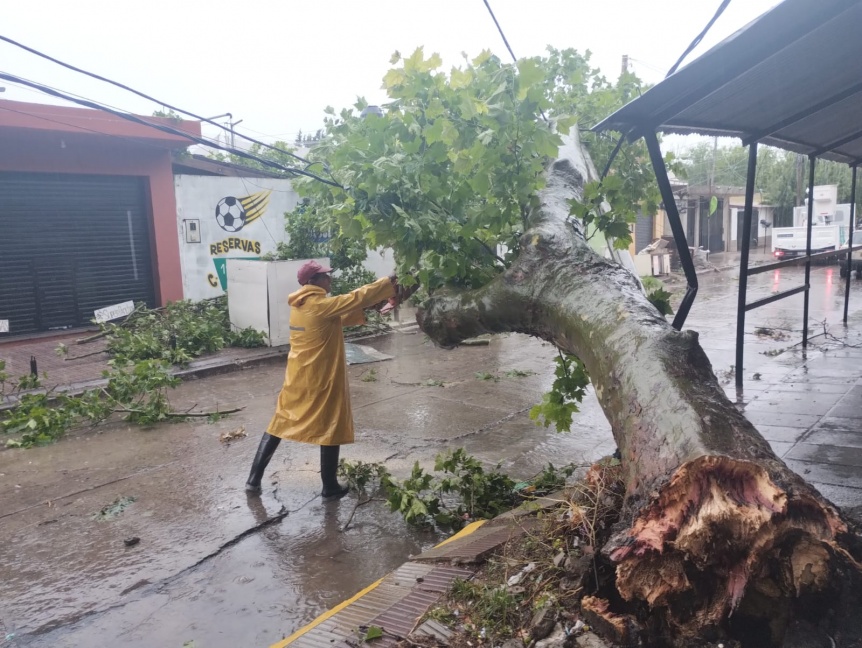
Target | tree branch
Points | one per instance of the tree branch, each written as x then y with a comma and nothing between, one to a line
490,251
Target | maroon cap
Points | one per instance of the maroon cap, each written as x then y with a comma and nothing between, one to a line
308,270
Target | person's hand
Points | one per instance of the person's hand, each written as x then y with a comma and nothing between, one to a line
379,305
401,293
405,292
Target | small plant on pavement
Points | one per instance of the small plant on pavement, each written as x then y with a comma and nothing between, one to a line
36,420
4,377
138,391
459,491
519,373
177,333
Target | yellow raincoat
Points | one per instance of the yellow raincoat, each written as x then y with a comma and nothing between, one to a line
314,403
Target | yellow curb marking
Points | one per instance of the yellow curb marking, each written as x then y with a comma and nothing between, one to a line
467,530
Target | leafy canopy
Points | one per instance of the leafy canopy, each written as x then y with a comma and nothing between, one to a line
450,170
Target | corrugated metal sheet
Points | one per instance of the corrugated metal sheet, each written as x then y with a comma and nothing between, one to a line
69,245
788,79
396,605
475,547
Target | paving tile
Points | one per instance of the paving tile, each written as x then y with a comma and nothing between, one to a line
849,379
848,411
827,432
850,406
830,454
764,417
843,496
811,387
820,473
790,403
780,448
781,434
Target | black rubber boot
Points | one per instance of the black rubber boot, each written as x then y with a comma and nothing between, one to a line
265,450
332,490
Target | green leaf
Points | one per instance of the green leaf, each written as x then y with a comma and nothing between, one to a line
459,79
373,632
393,78
529,74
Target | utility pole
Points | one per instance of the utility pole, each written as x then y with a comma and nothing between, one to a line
231,125
712,170
625,64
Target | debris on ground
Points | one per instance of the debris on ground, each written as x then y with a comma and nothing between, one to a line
771,333
131,542
476,342
532,590
229,437
112,510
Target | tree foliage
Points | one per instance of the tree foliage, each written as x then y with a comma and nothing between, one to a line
309,238
448,175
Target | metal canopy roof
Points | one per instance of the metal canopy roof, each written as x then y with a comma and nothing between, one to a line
792,78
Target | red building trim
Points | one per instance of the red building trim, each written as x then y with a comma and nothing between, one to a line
56,139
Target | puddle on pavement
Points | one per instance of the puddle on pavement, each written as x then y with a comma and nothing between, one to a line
257,592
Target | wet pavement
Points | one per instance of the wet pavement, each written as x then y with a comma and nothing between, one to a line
210,569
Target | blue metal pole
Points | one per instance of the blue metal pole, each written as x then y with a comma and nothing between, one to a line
675,225
811,162
743,261
850,241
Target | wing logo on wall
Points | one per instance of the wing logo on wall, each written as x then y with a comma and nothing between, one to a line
232,213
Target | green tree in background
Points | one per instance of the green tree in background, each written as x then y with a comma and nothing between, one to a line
777,174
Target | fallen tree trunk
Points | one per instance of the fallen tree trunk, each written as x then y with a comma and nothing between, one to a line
714,524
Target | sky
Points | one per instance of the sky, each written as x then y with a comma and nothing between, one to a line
276,65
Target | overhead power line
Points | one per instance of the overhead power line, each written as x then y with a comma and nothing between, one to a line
142,95
699,37
508,47
164,128
500,29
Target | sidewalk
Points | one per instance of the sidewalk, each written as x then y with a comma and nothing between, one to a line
730,260
81,368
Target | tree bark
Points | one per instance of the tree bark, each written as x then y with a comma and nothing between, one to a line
713,522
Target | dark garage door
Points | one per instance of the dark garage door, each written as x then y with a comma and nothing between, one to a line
70,244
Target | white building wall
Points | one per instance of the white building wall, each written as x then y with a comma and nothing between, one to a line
205,243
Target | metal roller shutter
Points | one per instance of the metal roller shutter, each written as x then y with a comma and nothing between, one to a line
70,244
643,231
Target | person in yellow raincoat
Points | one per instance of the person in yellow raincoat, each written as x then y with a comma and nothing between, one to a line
314,403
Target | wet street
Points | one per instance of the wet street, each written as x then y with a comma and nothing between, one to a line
209,567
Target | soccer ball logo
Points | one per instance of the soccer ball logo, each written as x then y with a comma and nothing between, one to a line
229,214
